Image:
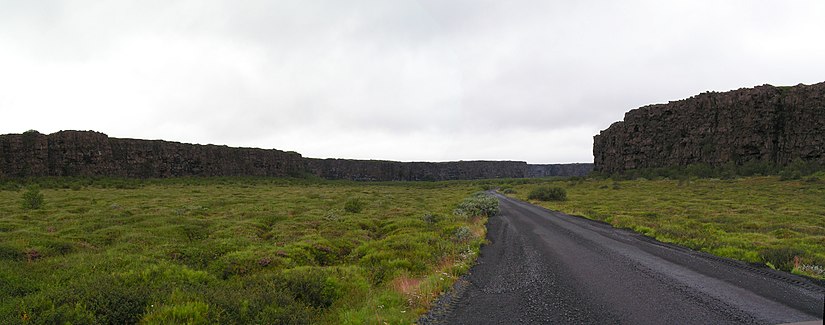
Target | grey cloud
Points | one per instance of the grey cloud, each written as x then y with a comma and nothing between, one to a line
407,80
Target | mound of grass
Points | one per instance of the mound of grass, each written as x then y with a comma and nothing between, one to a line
354,205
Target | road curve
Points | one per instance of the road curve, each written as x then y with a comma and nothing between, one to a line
544,267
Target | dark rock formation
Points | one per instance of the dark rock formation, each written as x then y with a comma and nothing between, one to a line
577,169
24,154
414,171
78,153
765,123
87,153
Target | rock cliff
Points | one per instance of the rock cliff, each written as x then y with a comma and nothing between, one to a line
88,153
765,123
414,171
576,169
80,153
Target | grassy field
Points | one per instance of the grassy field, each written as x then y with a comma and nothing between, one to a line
754,219
297,251
232,251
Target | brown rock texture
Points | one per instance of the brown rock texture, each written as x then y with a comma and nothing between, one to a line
764,123
89,153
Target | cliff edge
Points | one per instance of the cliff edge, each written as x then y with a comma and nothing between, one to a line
764,123
89,153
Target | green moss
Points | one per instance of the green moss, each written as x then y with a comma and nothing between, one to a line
225,250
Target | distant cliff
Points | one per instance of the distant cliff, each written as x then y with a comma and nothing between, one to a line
81,153
576,169
765,123
414,171
88,153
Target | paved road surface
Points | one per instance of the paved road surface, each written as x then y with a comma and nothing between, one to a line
545,267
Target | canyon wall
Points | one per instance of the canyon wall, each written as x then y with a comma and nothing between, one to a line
414,171
765,123
575,169
88,153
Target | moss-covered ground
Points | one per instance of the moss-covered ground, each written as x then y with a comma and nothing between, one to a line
231,251
227,250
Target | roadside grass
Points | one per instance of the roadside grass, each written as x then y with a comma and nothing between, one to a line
755,219
231,250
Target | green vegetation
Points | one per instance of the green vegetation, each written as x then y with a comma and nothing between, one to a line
756,219
32,198
233,250
354,205
797,169
478,205
548,193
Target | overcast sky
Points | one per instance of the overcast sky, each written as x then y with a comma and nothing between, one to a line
434,80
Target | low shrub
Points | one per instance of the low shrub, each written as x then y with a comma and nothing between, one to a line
431,218
462,234
354,205
478,205
32,198
548,193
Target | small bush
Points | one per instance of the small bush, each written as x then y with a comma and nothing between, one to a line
547,193
32,198
431,218
462,234
478,205
354,205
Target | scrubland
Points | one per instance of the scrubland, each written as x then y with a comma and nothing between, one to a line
250,250
232,250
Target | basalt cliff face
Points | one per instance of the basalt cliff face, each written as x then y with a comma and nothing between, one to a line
575,169
765,123
414,171
88,153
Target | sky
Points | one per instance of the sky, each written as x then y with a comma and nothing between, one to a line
434,80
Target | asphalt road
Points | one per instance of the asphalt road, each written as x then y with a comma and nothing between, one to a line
545,267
